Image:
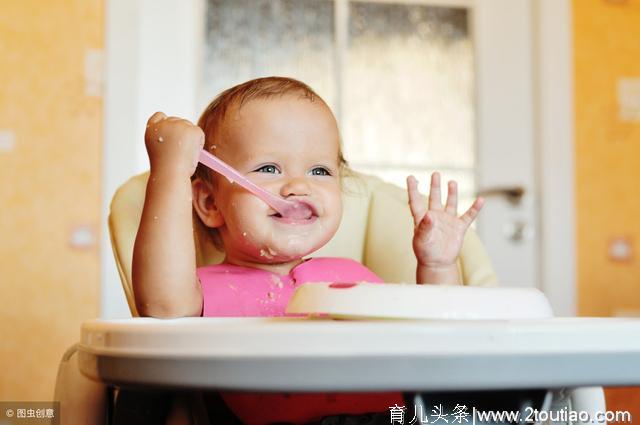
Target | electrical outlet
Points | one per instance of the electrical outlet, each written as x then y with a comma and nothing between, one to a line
629,99
93,72
82,237
7,141
621,249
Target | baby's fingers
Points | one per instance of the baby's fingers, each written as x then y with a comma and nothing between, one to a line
452,198
416,203
156,118
435,199
472,212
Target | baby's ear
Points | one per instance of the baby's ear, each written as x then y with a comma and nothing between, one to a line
205,204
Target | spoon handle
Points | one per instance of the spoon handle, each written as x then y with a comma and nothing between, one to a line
219,166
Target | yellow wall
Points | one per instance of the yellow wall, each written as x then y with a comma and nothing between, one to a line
49,183
606,48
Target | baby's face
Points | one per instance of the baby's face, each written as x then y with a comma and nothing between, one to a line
289,146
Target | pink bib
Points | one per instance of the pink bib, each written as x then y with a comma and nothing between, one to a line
235,291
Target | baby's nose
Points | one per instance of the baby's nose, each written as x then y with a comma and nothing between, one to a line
295,187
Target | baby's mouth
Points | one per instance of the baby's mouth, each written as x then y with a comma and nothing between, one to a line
291,220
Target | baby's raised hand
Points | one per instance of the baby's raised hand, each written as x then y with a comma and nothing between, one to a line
173,144
438,231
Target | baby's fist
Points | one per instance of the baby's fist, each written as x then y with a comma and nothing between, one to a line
173,144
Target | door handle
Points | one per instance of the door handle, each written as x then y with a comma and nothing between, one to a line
512,194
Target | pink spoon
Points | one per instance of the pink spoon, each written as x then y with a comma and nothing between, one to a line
288,209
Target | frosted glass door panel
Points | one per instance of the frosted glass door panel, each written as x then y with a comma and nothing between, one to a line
246,39
409,92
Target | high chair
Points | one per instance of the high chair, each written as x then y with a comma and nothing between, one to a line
376,229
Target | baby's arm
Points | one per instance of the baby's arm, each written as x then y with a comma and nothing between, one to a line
438,231
164,261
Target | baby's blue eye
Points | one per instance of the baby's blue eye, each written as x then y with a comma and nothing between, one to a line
268,169
320,171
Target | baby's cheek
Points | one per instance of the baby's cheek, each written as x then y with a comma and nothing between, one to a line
326,232
335,214
246,226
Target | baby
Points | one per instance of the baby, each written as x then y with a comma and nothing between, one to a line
282,136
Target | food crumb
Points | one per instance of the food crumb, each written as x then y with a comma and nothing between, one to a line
275,280
160,139
266,254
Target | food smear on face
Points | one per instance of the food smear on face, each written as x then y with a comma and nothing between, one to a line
265,254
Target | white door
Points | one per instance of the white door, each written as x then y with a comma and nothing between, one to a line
506,161
525,143
496,130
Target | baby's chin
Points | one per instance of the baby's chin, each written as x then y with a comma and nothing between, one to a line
275,255
287,251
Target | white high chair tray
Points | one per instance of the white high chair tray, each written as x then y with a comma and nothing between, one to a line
411,301
299,354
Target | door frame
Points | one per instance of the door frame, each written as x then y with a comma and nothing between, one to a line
135,48
553,40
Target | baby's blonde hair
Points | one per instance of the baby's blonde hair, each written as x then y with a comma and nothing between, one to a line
235,97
